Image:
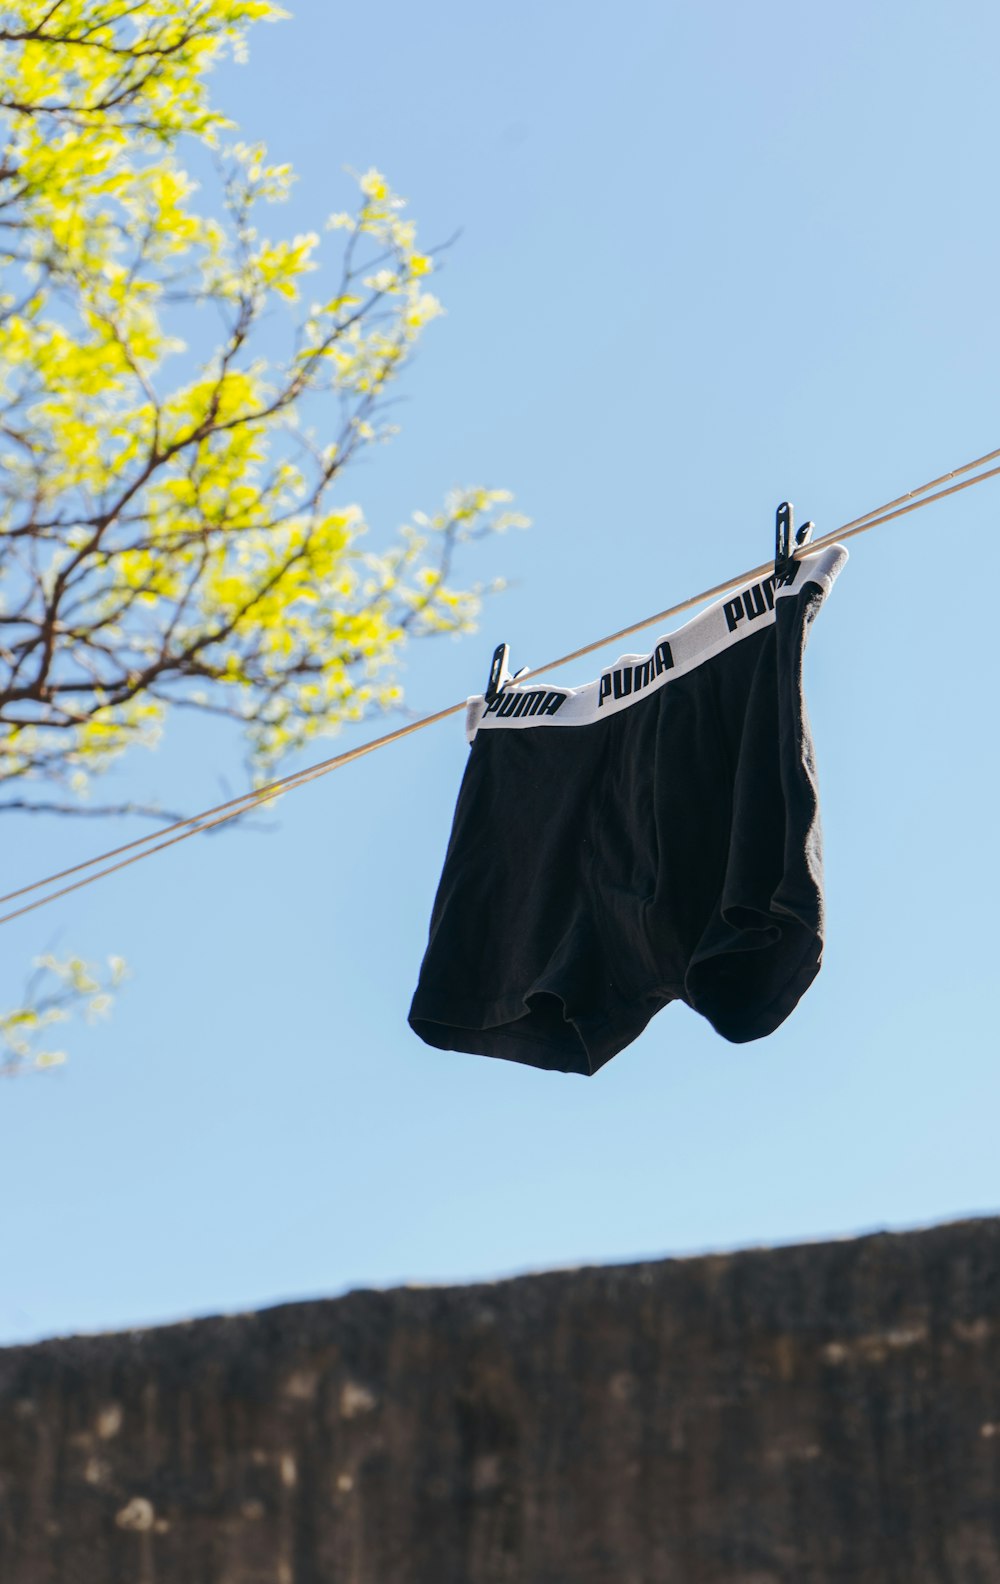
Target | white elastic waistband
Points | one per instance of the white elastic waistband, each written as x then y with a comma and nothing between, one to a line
633,677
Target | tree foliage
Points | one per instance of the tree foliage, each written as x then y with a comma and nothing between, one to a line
182,540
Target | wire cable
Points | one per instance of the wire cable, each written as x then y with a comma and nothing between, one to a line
209,819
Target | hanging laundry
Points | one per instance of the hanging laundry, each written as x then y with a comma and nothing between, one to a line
650,837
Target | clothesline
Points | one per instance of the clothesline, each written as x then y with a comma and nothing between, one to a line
209,819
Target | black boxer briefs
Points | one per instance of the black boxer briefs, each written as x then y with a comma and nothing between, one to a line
651,837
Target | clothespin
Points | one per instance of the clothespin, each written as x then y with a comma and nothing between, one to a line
784,531
500,672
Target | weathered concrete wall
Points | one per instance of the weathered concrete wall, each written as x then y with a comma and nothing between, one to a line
815,1414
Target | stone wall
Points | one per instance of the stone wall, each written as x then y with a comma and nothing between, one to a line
829,1412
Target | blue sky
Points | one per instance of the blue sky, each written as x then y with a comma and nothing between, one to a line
712,256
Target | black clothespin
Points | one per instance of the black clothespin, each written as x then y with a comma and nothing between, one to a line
500,672
784,531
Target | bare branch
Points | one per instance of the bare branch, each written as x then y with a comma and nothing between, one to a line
83,810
